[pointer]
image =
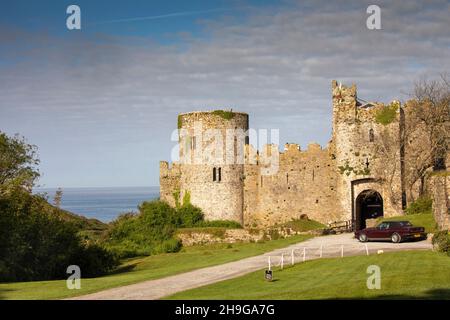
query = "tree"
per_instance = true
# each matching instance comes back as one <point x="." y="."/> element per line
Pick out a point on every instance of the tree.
<point x="421" y="142"/>
<point x="18" y="161"/>
<point x="426" y="133"/>
<point x="58" y="197"/>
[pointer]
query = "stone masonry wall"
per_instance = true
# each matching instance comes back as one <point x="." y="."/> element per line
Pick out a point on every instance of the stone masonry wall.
<point x="357" y="144"/>
<point x="440" y="190"/>
<point x="219" y="200"/>
<point x="305" y="184"/>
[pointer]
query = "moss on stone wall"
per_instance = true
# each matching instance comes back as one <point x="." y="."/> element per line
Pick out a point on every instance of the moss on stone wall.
<point x="180" y="121"/>
<point x="347" y="169"/>
<point x="227" y="115"/>
<point x="187" y="198"/>
<point x="387" y="114"/>
<point x="176" y="197"/>
<point x="217" y="232"/>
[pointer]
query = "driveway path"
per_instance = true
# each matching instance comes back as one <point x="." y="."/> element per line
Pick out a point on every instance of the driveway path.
<point x="332" y="246"/>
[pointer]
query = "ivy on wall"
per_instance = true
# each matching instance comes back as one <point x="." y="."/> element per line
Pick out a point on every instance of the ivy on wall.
<point x="387" y="114"/>
<point x="347" y="170"/>
<point x="176" y="196"/>
<point x="186" y="198"/>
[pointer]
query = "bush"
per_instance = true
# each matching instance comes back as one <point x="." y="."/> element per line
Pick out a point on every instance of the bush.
<point x="423" y="204"/>
<point x="441" y="241"/>
<point x="169" y="246"/>
<point x="35" y="244"/>
<point x="95" y="261"/>
<point x="149" y="232"/>
<point x="189" y="215"/>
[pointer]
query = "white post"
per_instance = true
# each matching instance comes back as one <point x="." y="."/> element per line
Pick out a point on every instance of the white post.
<point x="282" y="261"/>
<point x="304" y="254"/>
<point x="292" y="257"/>
<point x="321" y="249"/>
<point x="342" y="251"/>
<point x="367" y="249"/>
<point x="270" y="265"/>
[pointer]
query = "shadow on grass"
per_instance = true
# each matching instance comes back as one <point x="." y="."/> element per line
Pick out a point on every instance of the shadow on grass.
<point x="433" y="294"/>
<point x="123" y="269"/>
<point x="2" y="291"/>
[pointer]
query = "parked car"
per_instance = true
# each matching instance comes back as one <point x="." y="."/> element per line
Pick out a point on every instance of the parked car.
<point x="395" y="231"/>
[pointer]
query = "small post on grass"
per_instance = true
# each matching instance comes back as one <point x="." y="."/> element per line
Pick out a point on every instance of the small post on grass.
<point x="321" y="249"/>
<point x="367" y="249"/>
<point x="292" y="257"/>
<point x="342" y="251"/>
<point x="282" y="261"/>
<point x="270" y="265"/>
<point x="304" y="254"/>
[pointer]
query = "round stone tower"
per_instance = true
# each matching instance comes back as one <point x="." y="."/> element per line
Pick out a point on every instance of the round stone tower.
<point x="212" y="145"/>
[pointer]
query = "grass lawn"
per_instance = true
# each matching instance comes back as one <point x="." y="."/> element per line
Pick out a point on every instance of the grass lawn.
<point x="404" y="275"/>
<point x="422" y="220"/>
<point x="301" y="225"/>
<point x="146" y="268"/>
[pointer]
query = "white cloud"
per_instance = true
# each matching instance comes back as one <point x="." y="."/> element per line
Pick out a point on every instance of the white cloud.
<point x="277" y="65"/>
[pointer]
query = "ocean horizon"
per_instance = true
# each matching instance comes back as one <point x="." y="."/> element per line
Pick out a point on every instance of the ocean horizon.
<point x="102" y="203"/>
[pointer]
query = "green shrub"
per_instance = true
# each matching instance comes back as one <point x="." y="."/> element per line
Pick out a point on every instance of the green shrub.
<point x="36" y="244"/>
<point x="168" y="246"/>
<point x="441" y="241"/>
<point x="149" y="232"/>
<point x="189" y="216"/>
<point x="387" y="114"/>
<point x="421" y="205"/>
<point x="95" y="261"/>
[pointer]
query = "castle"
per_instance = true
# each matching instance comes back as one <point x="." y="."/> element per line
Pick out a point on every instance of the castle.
<point x="359" y="175"/>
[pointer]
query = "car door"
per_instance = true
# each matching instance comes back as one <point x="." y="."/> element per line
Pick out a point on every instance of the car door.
<point x="382" y="231"/>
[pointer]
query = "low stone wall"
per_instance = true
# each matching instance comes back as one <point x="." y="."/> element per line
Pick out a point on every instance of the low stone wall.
<point x="201" y="236"/>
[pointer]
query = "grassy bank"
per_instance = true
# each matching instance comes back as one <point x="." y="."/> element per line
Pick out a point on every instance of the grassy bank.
<point x="425" y="220"/>
<point x="302" y="225"/>
<point x="404" y="275"/>
<point x="146" y="268"/>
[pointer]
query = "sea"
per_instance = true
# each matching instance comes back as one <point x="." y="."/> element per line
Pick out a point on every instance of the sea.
<point x="104" y="204"/>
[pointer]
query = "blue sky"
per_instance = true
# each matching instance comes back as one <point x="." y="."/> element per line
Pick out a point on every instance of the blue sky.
<point x="101" y="103"/>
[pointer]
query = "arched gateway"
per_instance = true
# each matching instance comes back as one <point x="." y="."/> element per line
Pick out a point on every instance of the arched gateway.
<point x="369" y="205"/>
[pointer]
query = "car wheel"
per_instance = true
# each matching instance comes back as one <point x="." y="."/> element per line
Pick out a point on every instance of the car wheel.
<point x="362" y="237"/>
<point x="396" y="238"/>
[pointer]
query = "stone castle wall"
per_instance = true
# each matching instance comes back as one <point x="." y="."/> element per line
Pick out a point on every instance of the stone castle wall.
<point x="305" y="184"/>
<point x="440" y="192"/>
<point x="322" y="183"/>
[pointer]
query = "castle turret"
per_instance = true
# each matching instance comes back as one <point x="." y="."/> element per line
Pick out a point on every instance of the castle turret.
<point x="212" y="148"/>
<point x="366" y="149"/>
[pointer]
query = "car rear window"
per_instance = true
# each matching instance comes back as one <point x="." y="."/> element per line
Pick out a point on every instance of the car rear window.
<point x="401" y="224"/>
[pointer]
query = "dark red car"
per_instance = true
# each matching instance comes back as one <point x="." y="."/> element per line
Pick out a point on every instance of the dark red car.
<point x="395" y="231"/>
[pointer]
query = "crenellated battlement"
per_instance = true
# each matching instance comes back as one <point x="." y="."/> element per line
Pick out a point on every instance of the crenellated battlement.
<point x="271" y="186"/>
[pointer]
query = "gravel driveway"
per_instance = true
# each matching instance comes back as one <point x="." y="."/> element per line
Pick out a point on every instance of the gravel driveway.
<point x="325" y="246"/>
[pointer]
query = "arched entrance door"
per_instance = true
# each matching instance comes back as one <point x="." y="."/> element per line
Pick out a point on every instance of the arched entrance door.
<point x="369" y="205"/>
